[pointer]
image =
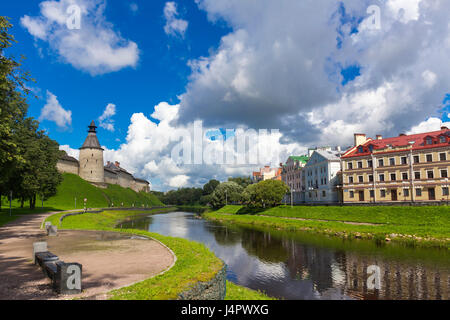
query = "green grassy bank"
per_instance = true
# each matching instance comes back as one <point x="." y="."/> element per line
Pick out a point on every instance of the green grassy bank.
<point x="195" y="262"/>
<point x="74" y="187"/>
<point x="425" y="226"/>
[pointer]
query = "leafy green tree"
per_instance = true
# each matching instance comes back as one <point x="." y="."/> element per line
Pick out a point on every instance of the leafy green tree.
<point x="226" y="193"/>
<point x="210" y="186"/>
<point x="242" y="181"/>
<point x="268" y="193"/>
<point x="28" y="157"/>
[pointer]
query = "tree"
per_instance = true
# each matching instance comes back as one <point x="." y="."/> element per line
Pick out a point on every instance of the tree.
<point x="210" y="186"/>
<point x="13" y="106"/>
<point x="242" y="181"/>
<point x="268" y="193"/>
<point x="28" y="156"/>
<point x="226" y="193"/>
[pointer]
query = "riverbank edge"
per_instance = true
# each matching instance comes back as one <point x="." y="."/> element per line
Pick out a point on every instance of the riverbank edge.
<point x="290" y="224"/>
<point x="135" y="291"/>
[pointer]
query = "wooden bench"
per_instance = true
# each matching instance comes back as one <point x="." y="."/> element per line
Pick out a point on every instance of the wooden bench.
<point x="65" y="277"/>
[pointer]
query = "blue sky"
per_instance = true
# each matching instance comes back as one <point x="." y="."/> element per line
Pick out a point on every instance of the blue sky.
<point x="160" y="75"/>
<point x="146" y="70"/>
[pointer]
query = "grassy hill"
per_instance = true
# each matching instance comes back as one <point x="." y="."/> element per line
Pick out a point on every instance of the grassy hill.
<point x="74" y="187"/>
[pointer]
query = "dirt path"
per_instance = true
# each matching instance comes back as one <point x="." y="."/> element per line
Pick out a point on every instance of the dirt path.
<point x="110" y="260"/>
<point x="322" y="220"/>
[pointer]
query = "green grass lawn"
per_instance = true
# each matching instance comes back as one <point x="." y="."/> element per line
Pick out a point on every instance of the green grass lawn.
<point x="74" y="187"/>
<point x="195" y="262"/>
<point x="426" y="225"/>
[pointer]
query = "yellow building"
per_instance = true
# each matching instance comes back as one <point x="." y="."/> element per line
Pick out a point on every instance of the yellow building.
<point x="407" y="168"/>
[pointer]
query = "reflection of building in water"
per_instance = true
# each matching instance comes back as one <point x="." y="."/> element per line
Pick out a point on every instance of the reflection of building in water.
<point x="398" y="281"/>
<point x="348" y="272"/>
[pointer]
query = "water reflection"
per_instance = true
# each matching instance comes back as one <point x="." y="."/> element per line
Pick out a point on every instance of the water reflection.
<point x="302" y="266"/>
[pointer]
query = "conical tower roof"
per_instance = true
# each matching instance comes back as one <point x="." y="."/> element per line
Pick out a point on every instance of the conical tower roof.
<point x="91" y="141"/>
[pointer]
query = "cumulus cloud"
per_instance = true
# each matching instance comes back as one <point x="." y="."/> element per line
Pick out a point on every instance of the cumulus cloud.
<point x="431" y="124"/>
<point x="105" y="120"/>
<point x="53" y="111"/>
<point x="281" y="67"/>
<point x="95" y="47"/>
<point x="174" y="26"/>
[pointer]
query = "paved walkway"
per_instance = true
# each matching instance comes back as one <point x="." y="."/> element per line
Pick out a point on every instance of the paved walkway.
<point x="110" y="260"/>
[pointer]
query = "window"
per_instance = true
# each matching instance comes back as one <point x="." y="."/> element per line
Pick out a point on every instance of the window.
<point x="383" y="193"/>
<point x="416" y="159"/>
<point x="370" y="178"/>
<point x="360" y="149"/>
<point x="442" y="139"/>
<point x="405" y="175"/>
<point x="370" y="163"/>
<point x="404" y="160"/>
<point x="430" y="174"/>
<point x="352" y="194"/>
<point x="406" y="192"/>
<point x="360" y="165"/>
<point x="392" y="161"/>
<point x="429" y="141"/>
<point x="381" y="177"/>
<point x="371" y="148"/>
<point x="418" y="192"/>
<point x="360" y="179"/>
<point x="444" y="173"/>
<point x="445" y="191"/>
<point x="417" y="175"/>
<point x="442" y="156"/>
<point x="372" y="193"/>
<point x="381" y="163"/>
<point x="350" y="179"/>
<point x="324" y="193"/>
<point x="393" y="177"/>
<point x="429" y="158"/>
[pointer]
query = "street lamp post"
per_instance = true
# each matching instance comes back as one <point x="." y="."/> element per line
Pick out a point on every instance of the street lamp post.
<point x="226" y="197"/>
<point x="292" y="197"/>
<point x="10" y="200"/>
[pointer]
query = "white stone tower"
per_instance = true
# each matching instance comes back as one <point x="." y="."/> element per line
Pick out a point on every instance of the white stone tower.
<point x="91" y="158"/>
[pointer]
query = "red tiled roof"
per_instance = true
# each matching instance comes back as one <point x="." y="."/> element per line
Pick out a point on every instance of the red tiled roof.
<point x="418" y="142"/>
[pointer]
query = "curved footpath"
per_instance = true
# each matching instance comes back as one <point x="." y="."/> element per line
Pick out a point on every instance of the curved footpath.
<point x="110" y="260"/>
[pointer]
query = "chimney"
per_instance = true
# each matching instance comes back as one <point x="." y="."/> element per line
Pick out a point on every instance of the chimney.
<point x="117" y="164"/>
<point x="379" y="137"/>
<point x="444" y="128"/>
<point x="360" y="138"/>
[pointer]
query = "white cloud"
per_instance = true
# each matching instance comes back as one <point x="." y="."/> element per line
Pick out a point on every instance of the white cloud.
<point x="53" y="111"/>
<point x="431" y="124"/>
<point x="134" y="7"/>
<point x="105" y="119"/>
<point x="95" y="48"/>
<point x="173" y="25"/>
<point x="71" y="152"/>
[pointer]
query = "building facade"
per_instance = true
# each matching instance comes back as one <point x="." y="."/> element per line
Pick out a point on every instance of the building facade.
<point x="322" y="178"/>
<point x="90" y="166"/>
<point x="292" y="175"/>
<point x="266" y="173"/>
<point x="407" y="168"/>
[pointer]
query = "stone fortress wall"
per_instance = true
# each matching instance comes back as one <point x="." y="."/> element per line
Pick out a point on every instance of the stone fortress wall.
<point x="91" y="166"/>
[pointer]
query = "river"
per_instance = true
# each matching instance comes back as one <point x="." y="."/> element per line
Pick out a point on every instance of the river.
<point x="299" y="265"/>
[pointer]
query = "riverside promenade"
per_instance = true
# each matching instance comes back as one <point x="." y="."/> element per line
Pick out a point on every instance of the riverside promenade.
<point x="110" y="260"/>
